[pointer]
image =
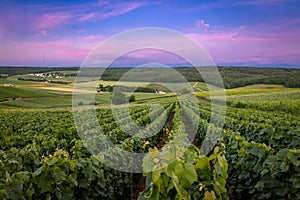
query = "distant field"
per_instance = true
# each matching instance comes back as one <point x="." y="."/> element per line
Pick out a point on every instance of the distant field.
<point x="14" y="81"/>
<point x="203" y="86"/>
<point x="252" y="89"/>
<point x="12" y="92"/>
<point x="39" y="103"/>
<point x="47" y="95"/>
<point x="261" y="97"/>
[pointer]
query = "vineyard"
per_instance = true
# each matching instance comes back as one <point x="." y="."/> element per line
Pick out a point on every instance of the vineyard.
<point x="254" y="156"/>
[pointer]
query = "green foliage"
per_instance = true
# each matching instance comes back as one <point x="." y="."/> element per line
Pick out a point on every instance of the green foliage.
<point x="262" y="152"/>
<point x="34" y="166"/>
<point x="182" y="172"/>
<point x="232" y="76"/>
<point x="63" y="176"/>
<point x="41" y="156"/>
<point x="12" y="92"/>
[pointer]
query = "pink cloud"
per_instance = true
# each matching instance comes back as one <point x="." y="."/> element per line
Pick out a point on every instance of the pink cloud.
<point x="259" y="43"/>
<point x="66" y="51"/>
<point x="39" y="19"/>
<point x="200" y="23"/>
<point x="116" y="10"/>
<point x="145" y="56"/>
<point x="239" y="47"/>
<point x="87" y="17"/>
<point x="93" y="37"/>
<point x="49" y="21"/>
<point x="71" y="53"/>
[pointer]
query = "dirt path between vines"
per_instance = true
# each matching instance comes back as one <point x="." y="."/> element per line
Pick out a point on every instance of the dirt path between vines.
<point x="189" y="130"/>
<point x="168" y="127"/>
<point x="138" y="179"/>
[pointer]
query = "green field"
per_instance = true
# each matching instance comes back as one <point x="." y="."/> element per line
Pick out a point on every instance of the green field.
<point x="253" y="154"/>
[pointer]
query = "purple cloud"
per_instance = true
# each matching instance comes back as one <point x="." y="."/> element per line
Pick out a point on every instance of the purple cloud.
<point x="42" y="18"/>
<point x="260" y="43"/>
<point x="115" y="10"/>
<point x="200" y="23"/>
<point x="50" y="21"/>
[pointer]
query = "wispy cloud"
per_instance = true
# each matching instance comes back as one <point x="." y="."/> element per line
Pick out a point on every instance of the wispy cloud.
<point x="260" y="43"/>
<point x="50" y="21"/>
<point x="87" y="17"/>
<point x="57" y="52"/>
<point x="43" y="17"/>
<point x="106" y="11"/>
<point x="202" y="24"/>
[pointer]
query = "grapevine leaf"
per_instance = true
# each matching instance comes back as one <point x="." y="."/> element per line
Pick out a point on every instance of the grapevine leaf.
<point x="202" y="163"/>
<point x="281" y="191"/>
<point x="3" y="194"/>
<point x="296" y="181"/>
<point x="59" y="174"/>
<point x="72" y="179"/>
<point x="191" y="174"/>
<point x="284" y="167"/>
<point x="209" y="195"/>
<point x="180" y="190"/>
<point x="294" y="157"/>
<point x="37" y="172"/>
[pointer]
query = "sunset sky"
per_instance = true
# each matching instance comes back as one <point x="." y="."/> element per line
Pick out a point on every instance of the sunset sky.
<point x="234" y="32"/>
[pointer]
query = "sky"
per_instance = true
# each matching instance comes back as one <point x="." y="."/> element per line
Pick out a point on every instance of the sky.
<point x="233" y="32"/>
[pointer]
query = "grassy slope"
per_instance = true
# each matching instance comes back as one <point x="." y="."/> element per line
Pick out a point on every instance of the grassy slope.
<point x="247" y="90"/>
<point x="12" y="92"/>
<point x="262" y="97"/>
<point x="203" y="86"/>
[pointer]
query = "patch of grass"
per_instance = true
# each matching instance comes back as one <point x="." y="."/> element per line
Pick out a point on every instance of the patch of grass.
<point x="38" y="103"/>
<point x="204" y="87"/>
<point x="14" y="81"/>
<point x="13" y="92"/>
<point x="145" y="96"/>
<point x="259" y="97"/>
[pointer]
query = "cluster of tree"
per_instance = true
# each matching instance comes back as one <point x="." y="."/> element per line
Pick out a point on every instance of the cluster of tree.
<point x="121" y="88"/>
<point x="42" y="80"/>
<point x="241" y="76"/>
<point x="59" y="82"/>
<point x="232" y="76"/>
<point x="3" y="75"/>
<point x="32" y="79"/>
<point x="11" y="71"/>
<point x="107" y="88"/>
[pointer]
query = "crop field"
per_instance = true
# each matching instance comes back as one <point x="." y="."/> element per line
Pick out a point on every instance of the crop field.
<point x="253" y="154"/>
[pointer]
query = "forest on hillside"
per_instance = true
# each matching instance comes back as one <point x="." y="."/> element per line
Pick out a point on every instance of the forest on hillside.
<point x="232" y="76"/>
